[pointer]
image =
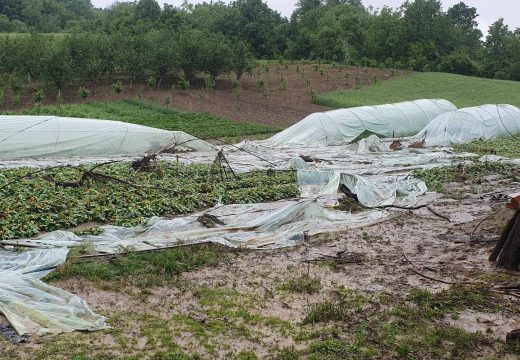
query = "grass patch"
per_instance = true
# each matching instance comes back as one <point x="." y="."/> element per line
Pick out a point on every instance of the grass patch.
<point x="455" y="299"/>
<point x="152" y="265"/>
<point x="340" y="309"/>
<point x="331" y="349"/>
<point x="507" y="147"/>
<point x="473" y="174"/>
<point x="463" y="91"/>
<point x="348" y="204"/>
<point x="227" y="312"/>
<point x="201" y="125"/>
<point x="405" y="331"/>
<point x="34" y="205"/>
<point x="304" y="284"/>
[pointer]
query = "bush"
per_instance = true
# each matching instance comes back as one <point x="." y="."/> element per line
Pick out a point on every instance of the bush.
<point x="83" y="93"/>
<point x="151" y="81"/>
<point x="458" y="63"/>
<point x="514" y="72"/>
<point x="118" y="87"/>
<point x="183" y="83"/>
<point x="38" y="96"/>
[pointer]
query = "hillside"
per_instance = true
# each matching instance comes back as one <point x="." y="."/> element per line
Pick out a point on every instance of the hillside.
<point x="463" y="91"/>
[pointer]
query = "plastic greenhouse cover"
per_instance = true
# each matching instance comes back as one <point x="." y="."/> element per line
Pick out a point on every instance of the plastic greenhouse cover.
<point x="253" y="226"/>
<point x="33" y="307"/>
<point x="52" y="136"/>
<point x="465" y="125"/>
<point x="344" y="125"/>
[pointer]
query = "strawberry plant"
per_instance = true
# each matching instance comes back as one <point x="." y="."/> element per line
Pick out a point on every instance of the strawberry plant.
<point x="33" y="204"/>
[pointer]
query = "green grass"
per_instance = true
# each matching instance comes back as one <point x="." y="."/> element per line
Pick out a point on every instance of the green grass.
<point x="412" y="329"/>
<point x="304" y="284"/>
<point x="201" y="125"/>
<point x="32" y="204"/>
<point x="508" y="147"/>
<point x="463" y="91"/>
<point x="145" y="268"/>
<point x="348" y="303"/>
<point x="435" y="178"/>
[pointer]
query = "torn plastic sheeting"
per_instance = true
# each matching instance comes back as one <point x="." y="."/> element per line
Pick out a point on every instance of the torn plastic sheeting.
<point x="24" y="136"/>
<point x="372" y="191"/>
<point x="253" y="226"/>
<point x="36" y="263"/>
<point x="371" y="144"/>
<point x="33" y="307"/>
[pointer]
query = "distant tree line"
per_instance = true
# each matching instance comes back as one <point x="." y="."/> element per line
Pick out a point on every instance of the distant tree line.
<point x="58" y="59"/>
<point x="143" y="39"/>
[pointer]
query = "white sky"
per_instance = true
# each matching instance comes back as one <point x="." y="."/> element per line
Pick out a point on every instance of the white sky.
<point x="489" y="10"/>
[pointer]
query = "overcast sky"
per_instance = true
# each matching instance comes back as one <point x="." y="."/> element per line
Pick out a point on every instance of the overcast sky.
<point x="489" y="10"/>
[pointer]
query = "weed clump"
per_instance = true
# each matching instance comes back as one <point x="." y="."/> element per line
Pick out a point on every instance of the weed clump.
<point x="457" y="298"/>
<point x="304" y="284"/>
<point x="348" y="204"/>
<point x="473" y="174"/>
<point x="340" y="309"/>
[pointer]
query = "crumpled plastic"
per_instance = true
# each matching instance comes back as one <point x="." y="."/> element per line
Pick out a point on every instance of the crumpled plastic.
<point x="35" y="308"/>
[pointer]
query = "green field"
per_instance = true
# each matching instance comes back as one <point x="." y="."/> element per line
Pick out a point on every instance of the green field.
<point x="201" y="125"/>
<point x="463" y="91"/>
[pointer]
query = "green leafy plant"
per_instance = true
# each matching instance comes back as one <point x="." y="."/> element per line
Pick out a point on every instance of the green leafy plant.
<point x="83" y="93"/>
<point x="152" y="82"/>
<point x="38" y="97"/>
<point x="238" y="89"/>
<point x="15" y="86"/>
<point x="42" y="206"/>
<point x="59" y="100"/>
<point x="118" y="87"/>
<point x="183" y="83"/>
<point x="303" y="284"/>
<point x="209" y="84"/>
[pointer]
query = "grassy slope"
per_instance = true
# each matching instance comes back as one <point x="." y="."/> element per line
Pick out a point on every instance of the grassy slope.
<point x="463" y="91"/>
<point x="202" y="125"/>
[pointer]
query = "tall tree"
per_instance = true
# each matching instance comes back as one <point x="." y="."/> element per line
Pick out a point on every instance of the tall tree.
<point x="464" y="20"/>
<point x="496" y="41"/>
<point x="148" y="10"/>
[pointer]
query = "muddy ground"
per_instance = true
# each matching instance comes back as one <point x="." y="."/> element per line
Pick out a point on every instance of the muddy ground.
<point x="284" y="98"/>
<point x="242" y="308"/>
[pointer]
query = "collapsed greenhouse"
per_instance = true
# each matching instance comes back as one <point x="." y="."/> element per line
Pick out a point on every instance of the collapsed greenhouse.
<point x="320" y="149"/>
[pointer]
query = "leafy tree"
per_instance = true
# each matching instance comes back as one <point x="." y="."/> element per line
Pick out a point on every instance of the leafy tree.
<point x="242" y="59"/>
<point x="147" y="10"/>
<point x="428" y="31"/>
<point x="384" y="36"/>
<point x="465" y="24"/>
<point x="57" y="66"/>
<point x="7" y="25"/>
<point x="496" y="41"/>
<point x="260" y="26"/>
<point x="132" y="57"/>
<point x="216" y="54"/>
<point x="189" y="53"/>
<point x="161" y="54"/>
